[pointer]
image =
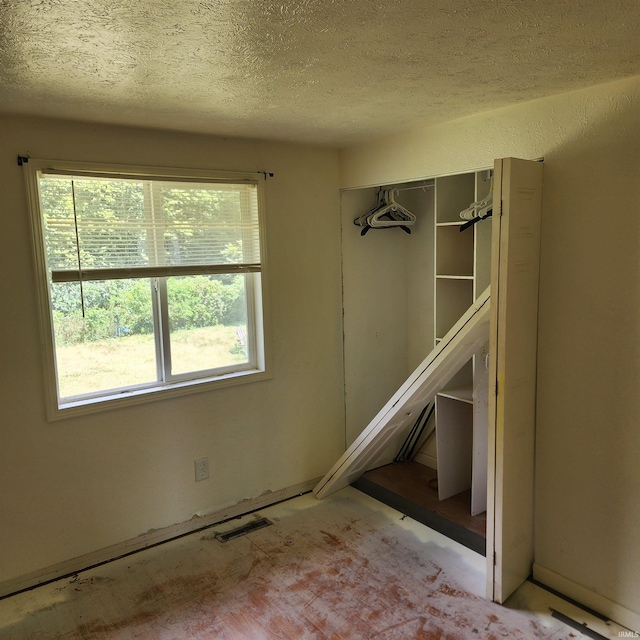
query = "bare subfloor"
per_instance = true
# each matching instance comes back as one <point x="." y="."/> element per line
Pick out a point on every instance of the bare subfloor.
<point x="347" y="567"/>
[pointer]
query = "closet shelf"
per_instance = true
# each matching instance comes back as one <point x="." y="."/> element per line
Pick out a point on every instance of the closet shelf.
<point x="464" y="394"/>
<point x="442" y="276"/>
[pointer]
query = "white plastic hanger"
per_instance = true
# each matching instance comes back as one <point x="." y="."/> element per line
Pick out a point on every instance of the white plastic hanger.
<point x="480" y="208"/>
<point x="391" y="213"/>
<point x="386" y="213"/>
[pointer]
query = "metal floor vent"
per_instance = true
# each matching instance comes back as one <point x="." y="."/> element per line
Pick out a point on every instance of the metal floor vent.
<point x="243" y="530"/>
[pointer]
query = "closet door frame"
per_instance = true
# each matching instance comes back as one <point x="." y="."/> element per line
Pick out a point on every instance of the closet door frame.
<point x="512" y="374"/>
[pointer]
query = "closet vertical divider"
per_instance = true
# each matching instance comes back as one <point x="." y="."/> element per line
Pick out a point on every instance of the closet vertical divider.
<point x="462" y="269"/>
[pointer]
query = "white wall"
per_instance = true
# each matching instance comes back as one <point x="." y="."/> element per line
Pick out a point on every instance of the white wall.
<point x="588" y="439"/>
<point x="71" y="487"/>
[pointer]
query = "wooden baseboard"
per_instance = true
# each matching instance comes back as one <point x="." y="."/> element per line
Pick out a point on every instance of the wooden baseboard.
<point x="152" y="538"/>
<point x="612" y="610"/>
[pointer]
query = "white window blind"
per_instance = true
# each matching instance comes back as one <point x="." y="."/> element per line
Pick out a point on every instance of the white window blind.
<point x="103" y="228"/>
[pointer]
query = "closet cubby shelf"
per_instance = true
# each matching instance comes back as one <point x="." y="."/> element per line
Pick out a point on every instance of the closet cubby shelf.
<point x="454" y="251"/>
<point x="464" y="394"/>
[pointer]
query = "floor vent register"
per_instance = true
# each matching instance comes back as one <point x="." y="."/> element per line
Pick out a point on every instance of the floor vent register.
<point x="243" y="530"/>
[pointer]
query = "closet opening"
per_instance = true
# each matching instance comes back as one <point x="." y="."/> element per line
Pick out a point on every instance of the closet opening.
<point x="402" y="299"/>
<point x="402" y="293"/>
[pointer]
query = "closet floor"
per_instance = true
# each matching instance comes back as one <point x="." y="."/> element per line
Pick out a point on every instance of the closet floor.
<point x="410" y="488"/>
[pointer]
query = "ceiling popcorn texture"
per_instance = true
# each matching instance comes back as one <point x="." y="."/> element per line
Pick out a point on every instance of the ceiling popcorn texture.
<point x="319" y="71"/>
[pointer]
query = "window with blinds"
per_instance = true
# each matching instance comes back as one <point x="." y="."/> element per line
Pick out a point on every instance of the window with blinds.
<point x="153" y="281"/>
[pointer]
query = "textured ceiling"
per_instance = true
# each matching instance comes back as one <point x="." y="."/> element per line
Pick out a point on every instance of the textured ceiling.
<point x="332" y="72"/>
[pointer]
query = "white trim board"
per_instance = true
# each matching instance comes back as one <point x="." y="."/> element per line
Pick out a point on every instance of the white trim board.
<point x="157" y="536"/>
<point x="372" y="447"/>
<point x="426" y="460"/>
<point x="614" y="611"/>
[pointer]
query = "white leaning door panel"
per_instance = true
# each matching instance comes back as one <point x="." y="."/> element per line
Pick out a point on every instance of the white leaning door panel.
<point x="512" y="373"/>
<point x="371" y="448"/>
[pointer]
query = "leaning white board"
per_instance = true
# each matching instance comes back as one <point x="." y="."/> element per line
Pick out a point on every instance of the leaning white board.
<point x="397" y="417"/>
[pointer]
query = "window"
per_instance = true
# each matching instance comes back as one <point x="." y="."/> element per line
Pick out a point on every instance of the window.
<point x="151" y="281"/>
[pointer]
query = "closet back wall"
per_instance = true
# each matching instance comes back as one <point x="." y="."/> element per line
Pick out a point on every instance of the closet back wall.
<point x="587" y="478"/>
<point x="388" y="302"/>
<point x="75" y="486"/>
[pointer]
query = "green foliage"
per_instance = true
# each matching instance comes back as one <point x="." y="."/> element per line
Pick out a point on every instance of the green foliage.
<point x="118" y="308"/>
<point x="201" y="301"/>
<point x="132" y="308"/>
<point x="72" y="329"/>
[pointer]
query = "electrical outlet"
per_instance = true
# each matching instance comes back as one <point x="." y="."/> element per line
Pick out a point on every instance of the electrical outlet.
<point x="202" y="469"/>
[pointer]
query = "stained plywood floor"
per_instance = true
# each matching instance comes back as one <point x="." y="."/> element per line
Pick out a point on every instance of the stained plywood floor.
<point x="345" y="568"/>
<point x="414" y="481"/>
<point x="412" y="488"/>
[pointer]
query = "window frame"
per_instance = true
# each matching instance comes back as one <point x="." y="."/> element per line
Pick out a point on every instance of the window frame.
<point x="174" y="385"/>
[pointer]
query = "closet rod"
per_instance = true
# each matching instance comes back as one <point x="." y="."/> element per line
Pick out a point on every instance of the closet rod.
<point x="424" y="186"/>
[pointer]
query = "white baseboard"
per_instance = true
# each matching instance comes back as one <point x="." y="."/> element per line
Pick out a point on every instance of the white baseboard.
<point x="426" y="460"/>
<point x="145" y="540"/>
<point x="614" y="611"/>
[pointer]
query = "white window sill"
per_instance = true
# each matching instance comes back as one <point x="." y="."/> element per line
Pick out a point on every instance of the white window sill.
<point x="121" y="399"/>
